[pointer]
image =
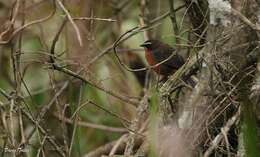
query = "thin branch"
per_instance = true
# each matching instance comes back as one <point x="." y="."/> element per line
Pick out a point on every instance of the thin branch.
<point x="91" y="125"/>
<point x="75" y="121"/>
<point x="245" y="20"/>
<point x="105" y="149"/>
<point x="54" y="42"/>
<point x="53" y="100"/>
<point x="143" y="18"/>
<point x="110" y="112"/>
<point x="174" y="21"/>
<point x="93" y="18"/>
<point x="117" y="144"/>
<point x="43" y="131"/>
<point x="7" y="96"/>
<point x="18" y="30"/>
<point x="71" y="21"/>
<point x="219" y="137"/>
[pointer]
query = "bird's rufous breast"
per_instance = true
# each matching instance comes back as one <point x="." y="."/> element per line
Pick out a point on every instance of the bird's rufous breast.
<point x="151" y="61"/>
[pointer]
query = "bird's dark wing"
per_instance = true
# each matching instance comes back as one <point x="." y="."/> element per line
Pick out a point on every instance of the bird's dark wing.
<point x="164" y="52"/>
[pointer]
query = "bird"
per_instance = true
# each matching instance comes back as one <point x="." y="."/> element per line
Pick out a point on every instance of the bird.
<point x="157" y="52"/>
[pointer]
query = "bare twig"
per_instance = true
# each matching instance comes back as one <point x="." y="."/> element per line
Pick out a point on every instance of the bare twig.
<point x="71" y="21"/>
<point x="93" y="18"/>
<point x="92" y="125"/>
<point x="7" y="96"/>
<point x="18" y="30"/>
<point x="117" y="144"/>
<point x="136" y="124"/>
<point x="227" y="142"/>
<point x="143" y="18"/>
<point x="174" y="21"/>
<point x="110" y="112"/>
<point x="48" y="106"/>
<point x="220" y="136"/>
<point x="245" y="20"/>
<point x="19" y="78"/>
<point x="43" y="131"/>
<point x="105" y="149"/>
<point x="54" y="42"/>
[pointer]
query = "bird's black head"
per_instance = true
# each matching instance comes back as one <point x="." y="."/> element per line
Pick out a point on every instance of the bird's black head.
<point x="151" y="44"/>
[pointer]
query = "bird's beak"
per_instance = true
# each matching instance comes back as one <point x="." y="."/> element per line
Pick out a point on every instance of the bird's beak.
<point x="142" y="45"/>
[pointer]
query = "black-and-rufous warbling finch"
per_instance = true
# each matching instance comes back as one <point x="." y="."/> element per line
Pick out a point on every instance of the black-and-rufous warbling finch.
<point x="156" y="52"/>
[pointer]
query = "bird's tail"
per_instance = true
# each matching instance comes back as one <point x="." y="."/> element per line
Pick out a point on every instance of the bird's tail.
<point x="189" y="80"/>
<point x="190" y="77"/>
